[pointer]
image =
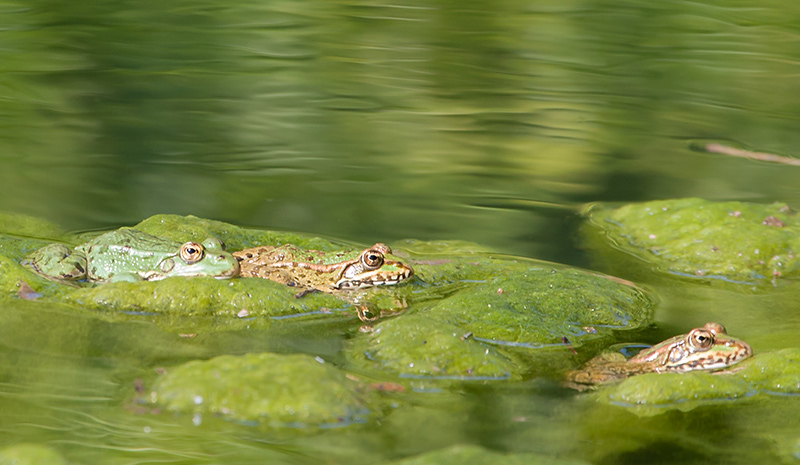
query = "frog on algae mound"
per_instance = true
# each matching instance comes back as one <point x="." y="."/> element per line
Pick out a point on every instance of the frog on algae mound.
<point x="732" y="241"/>
<point x="767" y="374"/>
<point x="707" y="348"/>
<point x="476" y="314"/>
<point x="133" y="262"/>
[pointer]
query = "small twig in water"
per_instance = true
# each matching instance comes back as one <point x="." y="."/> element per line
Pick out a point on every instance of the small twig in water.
<point x="760" y="156"/>
<point x="569" y="344"/>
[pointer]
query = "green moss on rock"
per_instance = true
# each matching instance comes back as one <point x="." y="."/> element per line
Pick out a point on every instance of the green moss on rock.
<point x="735" y="241"/>
<point x="267" y="389"/>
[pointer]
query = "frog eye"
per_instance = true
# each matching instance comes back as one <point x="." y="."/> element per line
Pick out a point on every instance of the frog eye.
<point x="701" y="339"/>
<point x="372" y="259"/>
<point x="191" y="252"/>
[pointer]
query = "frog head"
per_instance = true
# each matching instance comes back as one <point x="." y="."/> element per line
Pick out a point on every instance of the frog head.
<point x="196" y="259"/>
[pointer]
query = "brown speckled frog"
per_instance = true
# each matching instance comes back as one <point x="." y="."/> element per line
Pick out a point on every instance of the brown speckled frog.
<point x="706" y="348"/>
<point x="332" y="272"/>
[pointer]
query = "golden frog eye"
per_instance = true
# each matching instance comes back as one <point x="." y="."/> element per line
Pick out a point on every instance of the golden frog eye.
<point x="372" y="259"/>
<point x="192" y="252"/>
<point x="701" y="339"/>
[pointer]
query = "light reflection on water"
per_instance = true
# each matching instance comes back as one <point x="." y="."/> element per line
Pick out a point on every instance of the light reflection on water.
<point x="491" y="123"/>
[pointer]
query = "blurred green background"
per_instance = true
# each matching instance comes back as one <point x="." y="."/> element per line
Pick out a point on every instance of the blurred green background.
<point x="485" y="121"/>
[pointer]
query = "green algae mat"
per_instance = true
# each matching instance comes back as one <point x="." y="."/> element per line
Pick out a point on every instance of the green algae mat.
<point x="735" y="242"/>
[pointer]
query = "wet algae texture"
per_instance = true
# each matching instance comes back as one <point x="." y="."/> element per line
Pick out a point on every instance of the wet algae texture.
<point x="265" y="389"/>
<point x="733" y="241"/>
<point x="515" y="320"/>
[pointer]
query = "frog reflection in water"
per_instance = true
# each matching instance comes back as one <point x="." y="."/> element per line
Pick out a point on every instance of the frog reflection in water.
<point x="332" y="272"/>
<point x="706" y="348"/>
<point x="132" y="255"/>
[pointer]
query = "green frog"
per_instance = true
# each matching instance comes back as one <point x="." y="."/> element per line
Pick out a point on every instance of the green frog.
<point x="706" y="348"/>
<point x="132" y="255"/>
<point x="331" y="272"/>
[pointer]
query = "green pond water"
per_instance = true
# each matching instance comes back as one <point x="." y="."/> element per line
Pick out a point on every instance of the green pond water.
<point x="468" y="136"/>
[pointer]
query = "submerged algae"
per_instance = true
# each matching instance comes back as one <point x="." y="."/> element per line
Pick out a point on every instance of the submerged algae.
<point x="267" y="389"/>
<point x="734" y="241"/>
<point x="30" y="454"/>
<point x="28" y="226"/>
<point x="474" y="455"/>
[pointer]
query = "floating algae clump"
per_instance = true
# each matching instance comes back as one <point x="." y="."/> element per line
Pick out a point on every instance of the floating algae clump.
<point x="417" y="347"/>
<point x="265" y="389"/>
<point x="494" y="329"/>
<point x="734" y="241"/>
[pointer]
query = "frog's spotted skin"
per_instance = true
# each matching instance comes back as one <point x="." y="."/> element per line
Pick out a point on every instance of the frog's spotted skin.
<point x="132" y="255"/>
<point x="706" y="348"/>
<point x="323" y="271"/>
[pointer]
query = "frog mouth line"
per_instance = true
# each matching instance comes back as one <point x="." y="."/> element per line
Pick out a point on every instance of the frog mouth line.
<point x="375" y="279"/>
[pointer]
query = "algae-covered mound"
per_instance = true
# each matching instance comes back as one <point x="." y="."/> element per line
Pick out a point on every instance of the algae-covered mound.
<point x="539" y="306"/>
<point x="30" y="454"/>
<point x="265" y="389"/>
<point x="474" y="455"/>
<point x="510" y="308"/>
<point x="735" y="241"/>
<point x="650" y="394"/>
<point x="416" y="346"/>
<point x="204" y="296"/>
